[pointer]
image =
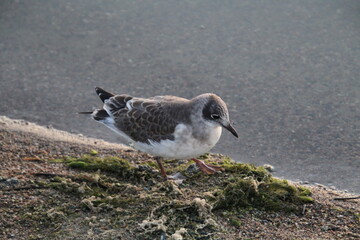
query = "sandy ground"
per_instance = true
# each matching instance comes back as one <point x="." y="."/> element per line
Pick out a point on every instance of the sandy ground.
<point x="26" y="208"/>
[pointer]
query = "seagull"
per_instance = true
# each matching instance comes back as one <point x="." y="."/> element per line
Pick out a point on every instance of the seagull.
<point x="166" y="126"/>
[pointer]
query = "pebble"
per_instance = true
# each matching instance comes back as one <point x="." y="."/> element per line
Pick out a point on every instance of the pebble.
<point x="304" y="182"/>
<point x="269" y="167"/>
<point x="97" y="231"/>
<point x="12" y="181"/>
<point x="182" y="162"/>
<point x="144" y="168"/>
<point x="192" y="168"/>
<point x="163" y="236"/>
<point x="320" y="185"/>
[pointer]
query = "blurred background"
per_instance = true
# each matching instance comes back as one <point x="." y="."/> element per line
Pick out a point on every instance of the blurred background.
<point x="288" y="70"/>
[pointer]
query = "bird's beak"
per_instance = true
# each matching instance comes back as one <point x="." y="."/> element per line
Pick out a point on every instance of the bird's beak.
<point x="231" y="129"/>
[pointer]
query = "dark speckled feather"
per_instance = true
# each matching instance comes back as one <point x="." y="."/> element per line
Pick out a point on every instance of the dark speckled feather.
<point x="140" y="118"/>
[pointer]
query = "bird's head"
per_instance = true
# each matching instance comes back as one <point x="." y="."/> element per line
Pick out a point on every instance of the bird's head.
<point x="215" y="111"/>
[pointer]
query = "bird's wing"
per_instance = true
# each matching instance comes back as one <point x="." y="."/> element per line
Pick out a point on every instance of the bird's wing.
<point x="144" y="120"/>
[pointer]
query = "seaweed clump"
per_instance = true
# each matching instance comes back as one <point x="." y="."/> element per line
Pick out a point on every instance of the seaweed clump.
<point x="254" y="187"/>
<point x="110" y="164"/>
<point x="127" y="194"/>
<point x="92" y="162"/>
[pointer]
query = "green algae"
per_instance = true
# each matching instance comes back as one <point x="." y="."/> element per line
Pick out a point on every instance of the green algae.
<point x="93" y="152"/>
<point x="81" y="165"/>
<point x="107" y="163"/>
<point x="110" y="164"/>
<point x="250" y="187"/>
<point x="273" y="194"/>
<point x="103" y="184"/>
<point x="235" y="221"/>
<point x="357" y="215"/>
<point x="247" y="185"/>
<point x="152" y="164"/>
<point x="242" y="170"/>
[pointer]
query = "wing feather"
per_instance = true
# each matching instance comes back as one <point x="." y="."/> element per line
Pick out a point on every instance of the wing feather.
<point x="147" y="120"/>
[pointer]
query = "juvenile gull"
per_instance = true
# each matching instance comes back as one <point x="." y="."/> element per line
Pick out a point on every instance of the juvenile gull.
<point x="167" y="126"/>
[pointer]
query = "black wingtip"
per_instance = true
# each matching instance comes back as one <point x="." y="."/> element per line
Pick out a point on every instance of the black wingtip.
<point x="100" y="115"/>
<point x="103" y="94"/>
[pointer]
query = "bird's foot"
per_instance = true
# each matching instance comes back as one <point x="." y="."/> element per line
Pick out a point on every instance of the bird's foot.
<point x="207" y="168"/>
<point x="162" y="169"/>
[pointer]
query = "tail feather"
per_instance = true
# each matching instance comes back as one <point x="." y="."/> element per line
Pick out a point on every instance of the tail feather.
<point x="103" y="94"/>
<point x="97" y="114"/>
<point x="85" y="112"/>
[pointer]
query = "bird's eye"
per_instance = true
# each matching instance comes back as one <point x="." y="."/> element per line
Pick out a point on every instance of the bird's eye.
<point x="215" y="116"/>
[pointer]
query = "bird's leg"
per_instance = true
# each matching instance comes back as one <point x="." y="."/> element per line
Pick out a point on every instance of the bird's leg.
<point x="162" y="169"/>
<point x="207" y="168"/>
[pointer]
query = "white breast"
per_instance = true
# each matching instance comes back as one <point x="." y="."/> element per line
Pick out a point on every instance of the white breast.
<point x="184" y="146"/>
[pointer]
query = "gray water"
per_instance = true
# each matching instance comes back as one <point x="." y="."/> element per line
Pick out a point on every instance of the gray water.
<point x="288" y="70"/>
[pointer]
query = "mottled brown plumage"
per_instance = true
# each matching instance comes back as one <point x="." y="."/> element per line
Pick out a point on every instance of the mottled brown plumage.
<point x="144" y="120"/>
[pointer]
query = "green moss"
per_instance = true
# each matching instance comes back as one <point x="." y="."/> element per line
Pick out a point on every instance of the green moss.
<point x="235" y="221"/>
<point x="152" y="164"/>
<point x="237" y="194"/>
<point x="246" y="170"/>
<point x="81" y="165"/>
<point x="253" y="187"/>
<point x="244" y="187"/>
<point x="306" y="199"/>
<point x="181" y="167"/>
<point x="277" y="194"/>
<point x="106" y="164"/>
<point x="67" y="186"/>
<point x="205" y="156"/>
<point x="93" y="152"/>
<point x="357" y="215"/>
<point x="304" y="191"/>
<point x="102" y="190"/>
